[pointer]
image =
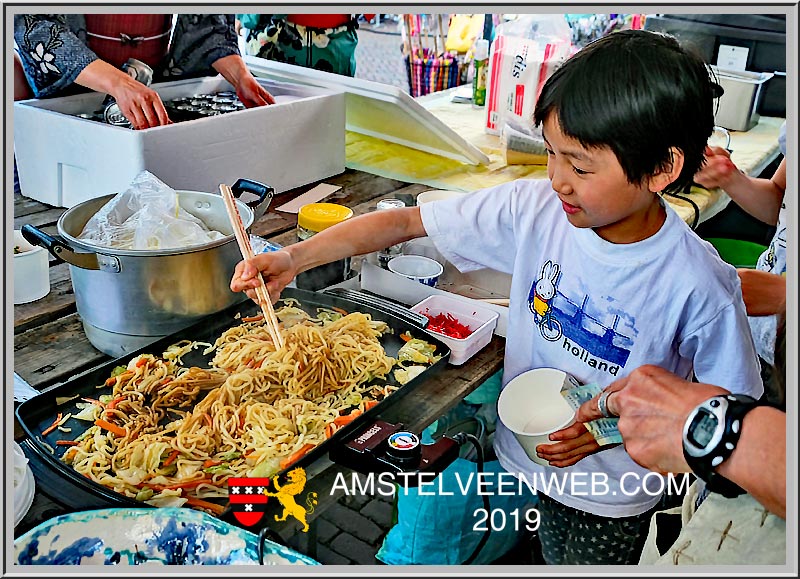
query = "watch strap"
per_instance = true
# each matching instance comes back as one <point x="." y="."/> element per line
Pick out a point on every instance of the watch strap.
<point x="738" y="406"/>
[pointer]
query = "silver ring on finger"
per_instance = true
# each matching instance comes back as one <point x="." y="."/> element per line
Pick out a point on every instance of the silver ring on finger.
<point x="602" y="405"/>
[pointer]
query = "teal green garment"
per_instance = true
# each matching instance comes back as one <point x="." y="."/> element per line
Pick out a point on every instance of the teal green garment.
<point x="437" y="528"/>
<point x="330" y="50"/>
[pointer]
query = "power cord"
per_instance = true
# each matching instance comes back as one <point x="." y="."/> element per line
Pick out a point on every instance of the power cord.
<point x="687" y="191"/>
<point x="461" y="438"/>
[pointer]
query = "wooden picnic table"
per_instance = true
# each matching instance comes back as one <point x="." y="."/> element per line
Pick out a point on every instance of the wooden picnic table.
<point x="50" y="345"/>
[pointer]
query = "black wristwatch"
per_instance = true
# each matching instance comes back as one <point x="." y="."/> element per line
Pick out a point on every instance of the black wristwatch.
<point x="710" y="435"/>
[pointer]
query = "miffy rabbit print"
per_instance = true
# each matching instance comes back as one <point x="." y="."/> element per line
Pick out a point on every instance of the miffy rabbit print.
<point x="539" y="301"/>
<point x="596" y="335"/>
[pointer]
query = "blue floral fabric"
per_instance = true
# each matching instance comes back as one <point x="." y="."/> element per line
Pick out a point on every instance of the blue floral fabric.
<point x="53" y="48"/>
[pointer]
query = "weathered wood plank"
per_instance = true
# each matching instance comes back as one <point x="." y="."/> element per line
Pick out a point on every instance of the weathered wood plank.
<point x="27" y="206"/>
<point x="54" y="352"/>
<point x="59" y="302"/>
<point x="48" y="217"/>
<point x="354" y="186"/>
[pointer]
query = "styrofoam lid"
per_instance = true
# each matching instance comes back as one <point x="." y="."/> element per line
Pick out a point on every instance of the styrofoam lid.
<point x="379" y="110"/>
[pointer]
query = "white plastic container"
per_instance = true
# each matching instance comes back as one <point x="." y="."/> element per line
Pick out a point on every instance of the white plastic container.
<point x="738" y="104"/>
<point x="64" y="159"/>
<point x="31" y="271"/>
<point x="480" y="320"/>
<point x="532" y="407"/>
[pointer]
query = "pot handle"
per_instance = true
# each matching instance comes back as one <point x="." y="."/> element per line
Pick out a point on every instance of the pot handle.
<point x="264" y="193"/>
<point x="58" y="248"/>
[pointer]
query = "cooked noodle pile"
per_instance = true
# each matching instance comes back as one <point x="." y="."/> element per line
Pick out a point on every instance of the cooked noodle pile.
<point x="265" y="408"/>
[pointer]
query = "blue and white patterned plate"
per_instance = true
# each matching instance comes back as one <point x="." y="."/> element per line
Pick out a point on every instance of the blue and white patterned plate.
<point x="136" y="536"/>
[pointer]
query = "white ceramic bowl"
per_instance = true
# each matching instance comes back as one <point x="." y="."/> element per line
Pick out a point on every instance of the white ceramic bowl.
<point x="131" y="536"/>
<point x="417" y="267"/>
<point x="532" y="407"/>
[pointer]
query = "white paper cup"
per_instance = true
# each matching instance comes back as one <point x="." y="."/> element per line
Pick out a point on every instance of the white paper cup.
<point x="31" y="271"/>
<point x="532" y="407"/>
<point x="417" y="267"/>
<point x="436" y="195"/>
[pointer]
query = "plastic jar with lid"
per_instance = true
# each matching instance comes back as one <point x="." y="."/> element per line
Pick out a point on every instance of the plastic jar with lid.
<point x="311" y="219"/>
<point x="388" y="253"/>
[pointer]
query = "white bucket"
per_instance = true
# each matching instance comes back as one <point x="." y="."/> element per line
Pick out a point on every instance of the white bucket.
<point x="532" y="407"/>
<point x="31" y="271"/>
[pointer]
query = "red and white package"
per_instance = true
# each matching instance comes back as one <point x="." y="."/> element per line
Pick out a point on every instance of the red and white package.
<point x="518" y="69"/>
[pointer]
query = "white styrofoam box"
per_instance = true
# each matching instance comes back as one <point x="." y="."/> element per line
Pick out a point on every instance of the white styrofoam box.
<point x="383" y="282"/>
<point x="64" y="159"/>
<point x="480" y="320"/>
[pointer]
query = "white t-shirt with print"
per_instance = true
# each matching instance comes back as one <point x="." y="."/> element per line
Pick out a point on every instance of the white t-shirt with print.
<point x="667" y="300"/>
<point x="773" y="260"/>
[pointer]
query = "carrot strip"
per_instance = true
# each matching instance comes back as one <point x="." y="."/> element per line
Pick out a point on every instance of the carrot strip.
<point x="406" y="337"/>
<point x="257" y="318"/>
<point x="113" y="403"/>
<point x="141" y="362"/>
<point x="339" y="310"/>
<point x="207" y="420"/>
<point x="296" y="455"/>
<point x="111" y="381"/>
<point x="369" y="404"/>
<point x="214" y="507"/>
<point x="171" y="458"/>
<point x="211" y="462"/>
<point x="112" y="428"/>
<point x="347" y="418"/>
<point x="53" y="426"/>
<point x="67" y="443"/>
<point x="329" y="430"/>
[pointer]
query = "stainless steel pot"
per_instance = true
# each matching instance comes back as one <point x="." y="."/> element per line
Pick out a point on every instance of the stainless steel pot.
<point x="129" y="298"/>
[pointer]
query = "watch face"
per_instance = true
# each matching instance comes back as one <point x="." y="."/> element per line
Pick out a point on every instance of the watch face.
<point x="702" y="428"/>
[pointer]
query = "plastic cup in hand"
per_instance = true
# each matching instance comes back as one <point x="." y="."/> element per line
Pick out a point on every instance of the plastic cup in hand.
<point x="532" y="407"/>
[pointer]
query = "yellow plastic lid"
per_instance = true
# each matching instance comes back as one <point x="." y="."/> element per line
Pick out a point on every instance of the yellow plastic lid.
<point x="319" y="216"/>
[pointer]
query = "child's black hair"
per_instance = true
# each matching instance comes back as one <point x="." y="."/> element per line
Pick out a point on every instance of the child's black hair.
<point x="638" y="93"/>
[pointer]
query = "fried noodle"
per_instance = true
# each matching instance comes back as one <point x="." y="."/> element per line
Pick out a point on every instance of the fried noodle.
<point x="154" y="441"/>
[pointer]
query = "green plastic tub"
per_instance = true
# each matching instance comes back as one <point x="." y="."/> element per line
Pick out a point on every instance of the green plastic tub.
<point x="736" y="252"/>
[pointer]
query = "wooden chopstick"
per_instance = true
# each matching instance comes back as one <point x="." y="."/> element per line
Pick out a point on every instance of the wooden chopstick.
<point x="495" y="301"/>
<point x="247" y="253"/>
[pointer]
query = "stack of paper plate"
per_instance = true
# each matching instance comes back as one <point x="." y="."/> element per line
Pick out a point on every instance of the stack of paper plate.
<point x="24" y="486"/>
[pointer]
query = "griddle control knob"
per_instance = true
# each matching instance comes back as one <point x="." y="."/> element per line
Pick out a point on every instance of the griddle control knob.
<point x="403" y="448"/>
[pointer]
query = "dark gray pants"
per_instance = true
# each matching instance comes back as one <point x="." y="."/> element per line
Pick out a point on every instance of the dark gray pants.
<point x="573" y="537"/>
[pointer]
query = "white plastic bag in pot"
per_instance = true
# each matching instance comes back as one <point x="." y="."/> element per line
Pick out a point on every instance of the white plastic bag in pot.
<point x="145" y="216"/>
<point x="524" y="54"/>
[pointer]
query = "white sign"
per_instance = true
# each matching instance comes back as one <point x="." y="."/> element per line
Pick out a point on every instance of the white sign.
<point x="732" y="57"/>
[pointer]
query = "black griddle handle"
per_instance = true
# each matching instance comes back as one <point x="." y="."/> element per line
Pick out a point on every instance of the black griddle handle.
<point x="417" y="320"/>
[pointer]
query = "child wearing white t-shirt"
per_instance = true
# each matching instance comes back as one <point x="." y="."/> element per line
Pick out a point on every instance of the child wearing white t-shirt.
<point x="605" y="276"/>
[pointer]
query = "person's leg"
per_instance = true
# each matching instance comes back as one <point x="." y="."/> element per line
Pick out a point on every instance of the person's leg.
<point x="555" y="529"/>
<point x="607" y="541"/>
<point x="573" y="537"/>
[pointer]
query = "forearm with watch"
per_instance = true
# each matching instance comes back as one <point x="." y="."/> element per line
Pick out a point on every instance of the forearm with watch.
<point x="737" y="446"/>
